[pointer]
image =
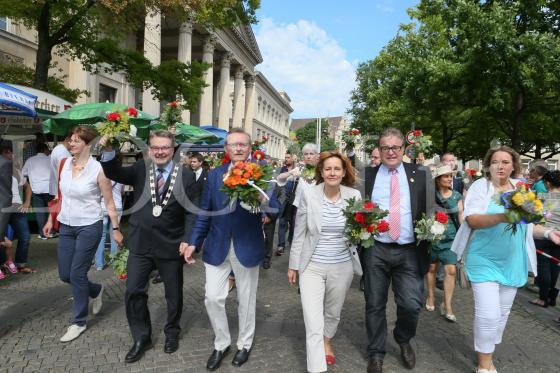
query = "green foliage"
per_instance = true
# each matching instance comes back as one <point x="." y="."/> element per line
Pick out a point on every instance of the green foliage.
<point x="118" y="261"/>
<point x="468" y="72"/>
<point x="108" y="35"/>
<point x="171" y="115"/>
<point x="23" y="75"/>
<point x="308" y="134"/>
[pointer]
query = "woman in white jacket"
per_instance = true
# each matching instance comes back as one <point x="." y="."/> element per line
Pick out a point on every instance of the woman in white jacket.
<point x="322" y="257"/>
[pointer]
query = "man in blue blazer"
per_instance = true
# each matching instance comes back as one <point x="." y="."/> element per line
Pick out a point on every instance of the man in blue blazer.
<point x="232" y="239"/>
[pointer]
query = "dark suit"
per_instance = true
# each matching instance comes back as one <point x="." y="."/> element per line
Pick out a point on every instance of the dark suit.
<point x="403" y="265"/>
<point x="458" y="184"/>
<point x="198" y="186"/>
<point x="154" y="243"/>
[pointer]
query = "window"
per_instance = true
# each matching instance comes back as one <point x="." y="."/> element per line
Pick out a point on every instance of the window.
<point x="525" y="164"/>
<point x="106" y="93"/>
<point x="3" y="23"/>
<point x="552" y="164"/>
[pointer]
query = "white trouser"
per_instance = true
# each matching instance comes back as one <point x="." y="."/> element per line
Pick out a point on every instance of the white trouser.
<point x="246" y="282"/>
<point x="492" y="304"/>
<point x="323" y="290"/>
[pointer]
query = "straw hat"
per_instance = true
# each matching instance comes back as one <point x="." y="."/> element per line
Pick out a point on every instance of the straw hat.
<point x="442" y="169"/>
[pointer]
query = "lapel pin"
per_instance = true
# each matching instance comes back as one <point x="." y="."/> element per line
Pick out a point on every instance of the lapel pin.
<point x="411" y="180"/>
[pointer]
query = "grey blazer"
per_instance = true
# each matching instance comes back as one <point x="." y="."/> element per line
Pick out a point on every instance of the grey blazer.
<point x="308" y="227"/>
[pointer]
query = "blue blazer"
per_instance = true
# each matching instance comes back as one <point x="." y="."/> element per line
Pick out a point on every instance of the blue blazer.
<point x="217" y="224"/>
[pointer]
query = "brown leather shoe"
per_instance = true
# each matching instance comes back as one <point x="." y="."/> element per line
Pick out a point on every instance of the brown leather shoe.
<point x="375" y="366"/>
<point x="408" y="355"/>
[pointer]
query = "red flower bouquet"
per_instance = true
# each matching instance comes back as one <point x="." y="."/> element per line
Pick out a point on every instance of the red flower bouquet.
<point x="364" y="220"/>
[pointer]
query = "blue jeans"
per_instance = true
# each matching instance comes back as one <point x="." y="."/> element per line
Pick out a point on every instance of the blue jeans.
<point x="100" y="254"/>
<point x="282" y="226"/>
<point x="40" y="206"/>
<point x="18" y="221"/>
<point x="76" y="248"/>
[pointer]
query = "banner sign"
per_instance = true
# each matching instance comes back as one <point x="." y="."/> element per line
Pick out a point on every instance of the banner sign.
<point x="16" y="102"/>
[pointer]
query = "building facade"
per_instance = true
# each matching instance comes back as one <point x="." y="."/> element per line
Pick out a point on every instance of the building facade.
<point x="229" y="100"/>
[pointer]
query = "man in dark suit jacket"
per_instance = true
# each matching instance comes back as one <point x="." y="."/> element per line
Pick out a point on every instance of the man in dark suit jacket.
<point x="201" y="174"/>
<point x="233" y="240"/>
<point x="406" y="191"/>
<point x="159" y="227"/>
<point x="450" y="159"/>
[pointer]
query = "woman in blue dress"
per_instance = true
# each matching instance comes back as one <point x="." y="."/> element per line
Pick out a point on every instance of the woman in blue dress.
<point x="496" y="261"/>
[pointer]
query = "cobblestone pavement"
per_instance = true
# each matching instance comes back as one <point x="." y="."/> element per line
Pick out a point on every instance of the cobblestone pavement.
<point x="35" y="311"/>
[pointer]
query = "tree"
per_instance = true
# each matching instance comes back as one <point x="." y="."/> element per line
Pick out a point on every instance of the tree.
<point x="466" y="73"/>
<point x="308" y="134"/>
<point x="95" y="32"/>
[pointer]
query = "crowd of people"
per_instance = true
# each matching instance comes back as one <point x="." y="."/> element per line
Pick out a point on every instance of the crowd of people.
<point x="179" y="209"/>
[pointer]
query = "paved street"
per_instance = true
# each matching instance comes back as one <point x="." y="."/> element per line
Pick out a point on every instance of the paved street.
<point x="35" y="311"/>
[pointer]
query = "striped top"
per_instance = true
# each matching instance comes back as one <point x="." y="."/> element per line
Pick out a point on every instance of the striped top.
<point x="331" y="247"/>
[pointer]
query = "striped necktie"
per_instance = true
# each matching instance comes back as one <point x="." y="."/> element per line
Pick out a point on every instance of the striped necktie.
<point x="160" y="182"/>
<point x="395" y="209"/>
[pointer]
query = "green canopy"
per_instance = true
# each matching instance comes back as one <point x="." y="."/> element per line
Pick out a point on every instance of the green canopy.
<point x="91" y="114"/>
<point x="188" y="134"/>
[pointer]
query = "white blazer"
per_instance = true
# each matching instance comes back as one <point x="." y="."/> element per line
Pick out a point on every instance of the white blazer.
<point x="308" y="227"/>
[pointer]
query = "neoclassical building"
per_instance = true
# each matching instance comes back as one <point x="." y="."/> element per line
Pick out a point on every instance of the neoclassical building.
<point x="236" y="94"/>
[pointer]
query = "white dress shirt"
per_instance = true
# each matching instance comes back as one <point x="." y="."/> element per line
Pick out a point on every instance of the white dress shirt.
<point x="58" y="153"/>
<point x="37" y="170"/>
<point x="381" y="195"/>
<point x="197" y="173"/>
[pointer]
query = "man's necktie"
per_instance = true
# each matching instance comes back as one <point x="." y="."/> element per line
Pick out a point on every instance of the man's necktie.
<point x="160" y="182"/>
<point x="395" y="209"/>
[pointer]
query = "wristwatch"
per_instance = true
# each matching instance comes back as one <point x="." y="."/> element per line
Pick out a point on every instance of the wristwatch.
<point x="547" y="233"/>
<point x="116" y="228"/>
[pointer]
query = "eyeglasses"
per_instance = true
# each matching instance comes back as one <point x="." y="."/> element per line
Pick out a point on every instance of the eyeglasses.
<point x="238" y="145"/>
<point x="160" y="148"/>
<point x="387" y="149"/>
<point x="75" y="141"/>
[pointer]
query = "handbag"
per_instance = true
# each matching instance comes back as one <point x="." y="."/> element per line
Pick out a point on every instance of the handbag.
<point x="56" y="204"/>
<point x="462" y="278"/>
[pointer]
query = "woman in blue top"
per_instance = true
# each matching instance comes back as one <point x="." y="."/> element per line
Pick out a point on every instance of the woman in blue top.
<point x="497" y="262"/>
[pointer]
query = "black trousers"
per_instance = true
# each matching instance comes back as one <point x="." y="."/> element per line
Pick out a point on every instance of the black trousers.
<point x="136" y="296"/>
<point x="548" y="271"/>
<point x="397" y="265"/>
<point x="269" y="230"/>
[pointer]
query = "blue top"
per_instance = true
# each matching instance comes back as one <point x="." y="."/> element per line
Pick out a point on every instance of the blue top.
<point x="539" y="186"/>
<point x="495" y="255"/>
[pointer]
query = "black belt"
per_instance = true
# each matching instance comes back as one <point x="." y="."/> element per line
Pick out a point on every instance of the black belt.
<point x="395" y="245"/>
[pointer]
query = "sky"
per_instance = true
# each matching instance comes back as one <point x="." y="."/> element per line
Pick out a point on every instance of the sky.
<point x="311" y="48"/>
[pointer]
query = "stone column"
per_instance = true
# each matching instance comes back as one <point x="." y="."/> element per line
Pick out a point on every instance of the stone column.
<point x="152" y="51"/>
<point x="249" y="103"/>
<point x="223" y="92"/>
<point x="237" y="104"/>
<point x="206" y="104"/>
<point x="184" y="55"/>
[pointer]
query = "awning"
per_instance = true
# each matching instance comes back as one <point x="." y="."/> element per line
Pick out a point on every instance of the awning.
<point x="14" y="101"/>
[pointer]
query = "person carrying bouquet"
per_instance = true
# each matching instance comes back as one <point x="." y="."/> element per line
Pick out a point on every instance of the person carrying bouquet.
<point x="232" y="231"/>
<point x="321" y="256"/>
<point x="498" y="252"/>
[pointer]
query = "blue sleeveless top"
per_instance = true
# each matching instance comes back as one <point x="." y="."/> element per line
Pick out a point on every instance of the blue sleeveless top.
<point x="496" y="255"/>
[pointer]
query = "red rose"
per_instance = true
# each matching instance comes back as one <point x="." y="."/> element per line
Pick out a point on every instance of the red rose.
<point x="382" y="226"/>
<point x="265" y="138"/>
<point x="258" y="154"/>
<point x="417" y="133"/>
<point x="173" y="104"/>
<point x="113" y="117"/>
<point x="132" y="112"/>
<point x="369" y="205"/>
<point x="471" y="172"/>
<point x="441" y="217"/>
<point x="226" y="159"/>
<point x="371" y="228"/>
<point x="359" y="217"/>
<point x="122" y="277"/>
<point x="355" y="131"/>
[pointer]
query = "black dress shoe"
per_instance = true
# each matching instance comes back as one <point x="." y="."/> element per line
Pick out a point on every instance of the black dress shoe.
<point x="157" y="279"/>
<point x="240" y="357"/>
<point x="171" y="345"/>
<point x="408" y="356"/>
<point x="137" y="350"/>
<point x="375" y="366"/>
<point x="266" y="264"/>
<point x="216" y="359"/>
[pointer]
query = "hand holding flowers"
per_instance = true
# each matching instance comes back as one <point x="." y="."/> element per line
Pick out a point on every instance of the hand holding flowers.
<point x="246" y="182"/>
<point x="522" y="206"/>
<point x="364" y="220"/>
<point x="117" y="126"/>
<point x="431" y="229"/>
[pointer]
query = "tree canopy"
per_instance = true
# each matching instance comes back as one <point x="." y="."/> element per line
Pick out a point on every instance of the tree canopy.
<point x="308" y="134"/>
<point x="97" y="32"/>
<point x="467" y="72"/>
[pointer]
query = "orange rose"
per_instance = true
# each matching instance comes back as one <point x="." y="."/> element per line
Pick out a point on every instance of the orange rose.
<point x="239" y="164"/>
<point x="247" y="175"/>
<point x="237" y="172"/>
<point x="243" y="182"/>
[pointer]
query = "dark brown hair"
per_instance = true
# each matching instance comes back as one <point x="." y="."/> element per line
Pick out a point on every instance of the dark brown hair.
<point x="86" y="133"/>
<point x="350" y="176"/>
<point x="506" y="149"/>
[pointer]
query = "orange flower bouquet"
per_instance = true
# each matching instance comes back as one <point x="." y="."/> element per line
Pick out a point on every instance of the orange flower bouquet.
<point x="245" y="182"/>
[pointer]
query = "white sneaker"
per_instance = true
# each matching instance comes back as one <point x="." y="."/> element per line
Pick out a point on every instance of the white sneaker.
<point x="97" y="302"/>
<point x="72" y="333"/>
<point x="480" y="370"/>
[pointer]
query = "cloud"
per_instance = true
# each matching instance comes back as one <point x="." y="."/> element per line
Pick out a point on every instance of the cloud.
<point x="303" y="60"/>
